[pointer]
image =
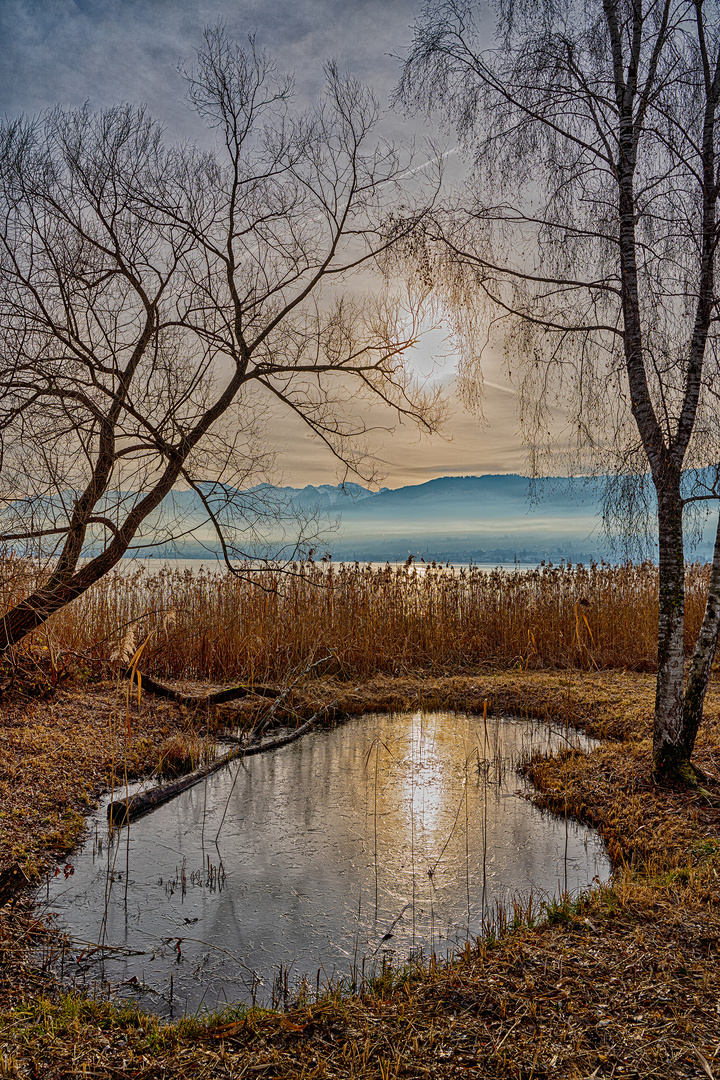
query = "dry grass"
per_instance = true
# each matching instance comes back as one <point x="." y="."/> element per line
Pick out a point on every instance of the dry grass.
<point x="57" y="755"/>
<point x="182" y="754"/>
<point x="392" y="620"/>
<point x="606" y="990"/>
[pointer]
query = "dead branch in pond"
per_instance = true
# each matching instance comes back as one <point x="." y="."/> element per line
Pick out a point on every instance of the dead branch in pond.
<point x="121" y="811"/>
<point x="264" y="723"/>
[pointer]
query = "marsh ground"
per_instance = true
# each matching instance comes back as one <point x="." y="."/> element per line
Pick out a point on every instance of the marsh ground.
<point x="623" y="982"/>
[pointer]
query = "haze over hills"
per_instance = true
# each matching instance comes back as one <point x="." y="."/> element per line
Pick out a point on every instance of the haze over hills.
<point x="458" y="519"/>
<point x="455" y="518"/>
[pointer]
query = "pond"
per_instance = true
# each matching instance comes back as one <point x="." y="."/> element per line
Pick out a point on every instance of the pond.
<point x="381" y="839"/>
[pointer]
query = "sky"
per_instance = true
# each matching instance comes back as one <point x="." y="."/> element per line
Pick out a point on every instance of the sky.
<point x="69" y="52"/>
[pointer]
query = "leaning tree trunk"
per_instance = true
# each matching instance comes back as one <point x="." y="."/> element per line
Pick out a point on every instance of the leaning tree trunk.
<point x="670" y="757"/>
<point x="703" y="655"/>
<point x="34" y="610"/>
<point x="67" y="585"/>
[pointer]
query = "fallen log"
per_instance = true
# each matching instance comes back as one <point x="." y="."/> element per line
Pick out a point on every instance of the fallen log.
<point x="121" y="811"/>
<point x="216" y="697"/>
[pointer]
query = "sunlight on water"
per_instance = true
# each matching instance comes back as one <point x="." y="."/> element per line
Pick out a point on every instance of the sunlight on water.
<point x="384" y="837"/>
<point x="214" y="565"/>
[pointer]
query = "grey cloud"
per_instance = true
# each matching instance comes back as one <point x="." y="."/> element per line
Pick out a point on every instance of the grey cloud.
<point x="70" y="51"/>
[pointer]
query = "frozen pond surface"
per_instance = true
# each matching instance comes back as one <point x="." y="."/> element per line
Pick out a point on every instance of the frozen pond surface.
<point x="385" y="836"/>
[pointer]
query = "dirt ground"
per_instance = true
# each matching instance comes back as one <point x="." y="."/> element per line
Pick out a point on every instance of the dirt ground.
<point x="623" y="982"/>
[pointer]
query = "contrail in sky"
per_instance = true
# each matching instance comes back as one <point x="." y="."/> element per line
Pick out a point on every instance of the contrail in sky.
<point x="497" y="386"/>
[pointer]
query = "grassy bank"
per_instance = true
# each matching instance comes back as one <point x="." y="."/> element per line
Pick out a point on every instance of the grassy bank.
<point x="620" y="983"/>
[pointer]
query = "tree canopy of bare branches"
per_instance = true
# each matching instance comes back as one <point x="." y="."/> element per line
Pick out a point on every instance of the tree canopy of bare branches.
<point x="162" y="307"/>
<point x="587" y="240"/>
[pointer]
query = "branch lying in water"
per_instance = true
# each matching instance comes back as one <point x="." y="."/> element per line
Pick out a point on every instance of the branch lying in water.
<point x="123" y="810"/>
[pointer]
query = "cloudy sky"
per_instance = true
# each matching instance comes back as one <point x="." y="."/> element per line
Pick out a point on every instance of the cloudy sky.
<point x="101" y="51"/>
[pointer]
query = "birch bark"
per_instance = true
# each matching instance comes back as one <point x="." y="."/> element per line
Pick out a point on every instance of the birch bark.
<point x="703" y="656"/>
<point x="592" y="129"/>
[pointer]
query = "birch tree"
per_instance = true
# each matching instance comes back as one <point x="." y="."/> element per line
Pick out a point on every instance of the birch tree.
<point x="163" y="307"/>
<point x="587" y="240"/>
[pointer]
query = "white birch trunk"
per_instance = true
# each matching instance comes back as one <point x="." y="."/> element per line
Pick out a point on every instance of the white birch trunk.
<point x="703" y="655"/>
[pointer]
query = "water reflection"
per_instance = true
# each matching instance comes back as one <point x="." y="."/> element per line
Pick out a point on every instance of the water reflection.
<point x="386" y="835"/>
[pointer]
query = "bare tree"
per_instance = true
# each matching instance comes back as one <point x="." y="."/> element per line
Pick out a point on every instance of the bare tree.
<point x="587" y="239"/>
<point x="162" y="307"/>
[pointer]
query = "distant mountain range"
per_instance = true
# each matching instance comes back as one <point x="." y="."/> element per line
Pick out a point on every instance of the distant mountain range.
<point x="459" y="519"/>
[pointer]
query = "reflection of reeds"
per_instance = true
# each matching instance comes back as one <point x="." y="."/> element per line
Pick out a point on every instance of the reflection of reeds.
<point x="489" y="775"/>
<point x="392" y="619"/>
<point x="375" y="745"/>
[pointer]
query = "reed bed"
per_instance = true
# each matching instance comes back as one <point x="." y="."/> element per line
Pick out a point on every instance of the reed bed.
<point x="372" y="620"/>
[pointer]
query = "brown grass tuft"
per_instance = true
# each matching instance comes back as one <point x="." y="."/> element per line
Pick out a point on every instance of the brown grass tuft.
<point x="182" y="753"/>
<point x="619" y="983"/>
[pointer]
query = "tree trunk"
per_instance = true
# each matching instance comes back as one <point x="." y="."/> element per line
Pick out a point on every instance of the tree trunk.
<point x="63" y="588"/>
<point x="669" y="753"/>
<point x="123" y="810"/>
<point x="33" y="611"/>
<point x="703" y="655"/>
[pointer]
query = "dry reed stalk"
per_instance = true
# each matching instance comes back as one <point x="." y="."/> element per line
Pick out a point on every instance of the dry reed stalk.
<point x="374" y="620"/>
<point x="620" y="983"/>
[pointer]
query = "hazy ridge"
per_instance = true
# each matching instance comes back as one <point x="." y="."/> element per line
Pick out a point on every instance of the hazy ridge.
<point x="494" y="518"/>
<point x="460" y="519"/>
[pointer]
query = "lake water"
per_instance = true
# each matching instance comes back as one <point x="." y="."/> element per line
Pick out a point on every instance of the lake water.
<point x="213" y="565"/>
<point x="385" y="837"/>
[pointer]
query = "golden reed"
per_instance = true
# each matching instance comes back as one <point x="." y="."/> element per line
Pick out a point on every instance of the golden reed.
<point x="393" y="620"/>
